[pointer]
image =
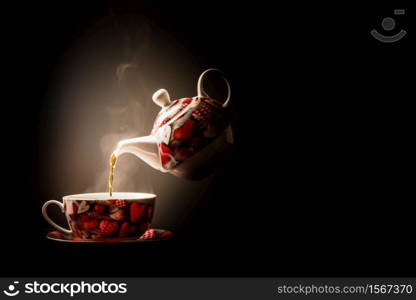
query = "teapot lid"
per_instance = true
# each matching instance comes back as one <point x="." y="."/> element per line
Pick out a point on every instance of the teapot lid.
<point x="175" y="110"/>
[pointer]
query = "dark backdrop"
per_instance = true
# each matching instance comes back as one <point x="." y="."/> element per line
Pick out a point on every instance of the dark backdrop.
<point x="320" y="181"/>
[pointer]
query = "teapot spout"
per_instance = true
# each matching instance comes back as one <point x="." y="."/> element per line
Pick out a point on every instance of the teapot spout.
<point x="144" y="147"/>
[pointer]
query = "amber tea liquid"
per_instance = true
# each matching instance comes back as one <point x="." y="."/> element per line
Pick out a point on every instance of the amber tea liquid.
<point x="113" y="160"/>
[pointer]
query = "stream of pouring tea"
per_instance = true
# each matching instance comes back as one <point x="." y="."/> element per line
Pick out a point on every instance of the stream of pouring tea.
<point x="113" y="160"/>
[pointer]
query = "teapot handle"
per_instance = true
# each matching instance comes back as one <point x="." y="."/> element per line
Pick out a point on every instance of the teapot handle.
<point x="201" y="91"/>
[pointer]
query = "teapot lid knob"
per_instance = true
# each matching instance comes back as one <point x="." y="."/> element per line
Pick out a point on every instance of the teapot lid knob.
<point x="161" y="97"/>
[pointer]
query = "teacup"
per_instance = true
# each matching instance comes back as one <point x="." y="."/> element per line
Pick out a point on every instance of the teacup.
<point x="97" y="216"/>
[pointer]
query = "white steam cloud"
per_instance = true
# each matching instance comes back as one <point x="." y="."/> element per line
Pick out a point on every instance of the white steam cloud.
<point x="127" y="117"/>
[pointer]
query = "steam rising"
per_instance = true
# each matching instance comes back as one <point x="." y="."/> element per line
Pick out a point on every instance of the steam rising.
<point x="126" y="119"/>
<point x="126" y="116"/>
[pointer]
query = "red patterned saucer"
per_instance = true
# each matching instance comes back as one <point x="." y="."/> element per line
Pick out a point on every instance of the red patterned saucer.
<point x="151" y="235"/>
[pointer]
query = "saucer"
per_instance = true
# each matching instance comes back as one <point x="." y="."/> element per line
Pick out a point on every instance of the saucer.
<point x="151" y="235"/>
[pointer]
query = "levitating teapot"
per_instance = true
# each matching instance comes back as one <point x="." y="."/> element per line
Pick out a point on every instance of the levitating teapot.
<point x="190" y="136"/>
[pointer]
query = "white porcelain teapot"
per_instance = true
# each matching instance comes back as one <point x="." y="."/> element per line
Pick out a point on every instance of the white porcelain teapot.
<point x="189" y="135"/>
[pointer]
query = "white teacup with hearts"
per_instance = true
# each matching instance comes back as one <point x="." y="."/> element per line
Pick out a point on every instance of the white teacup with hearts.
<point x="97" y="216"/>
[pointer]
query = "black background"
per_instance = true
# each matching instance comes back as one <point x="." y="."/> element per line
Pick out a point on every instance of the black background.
<point x="320" y="182"/>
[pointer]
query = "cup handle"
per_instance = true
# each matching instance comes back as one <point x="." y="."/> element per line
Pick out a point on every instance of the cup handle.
<point x="201" y="91"/>
<point x="49" y="220"/>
